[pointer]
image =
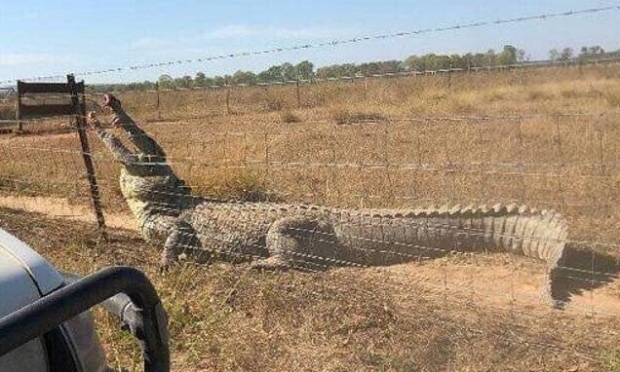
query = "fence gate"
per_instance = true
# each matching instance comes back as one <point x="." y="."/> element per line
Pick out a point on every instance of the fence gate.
<point x="74" y="107"/>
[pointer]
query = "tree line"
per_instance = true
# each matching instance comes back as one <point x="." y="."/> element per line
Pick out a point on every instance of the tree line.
<point x="305" y="70"/>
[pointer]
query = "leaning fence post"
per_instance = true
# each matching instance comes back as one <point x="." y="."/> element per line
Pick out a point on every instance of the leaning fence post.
<point x="80" y="112"/>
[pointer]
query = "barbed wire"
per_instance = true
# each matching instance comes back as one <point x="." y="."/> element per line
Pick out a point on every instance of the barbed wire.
<point x="333" y="43"/>
<point x="512" y="167"/>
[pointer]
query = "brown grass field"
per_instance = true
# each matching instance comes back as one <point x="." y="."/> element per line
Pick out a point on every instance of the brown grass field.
<point x="546" y="138"/>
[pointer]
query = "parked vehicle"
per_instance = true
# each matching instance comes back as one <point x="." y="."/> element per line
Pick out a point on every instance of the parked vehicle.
<point x="45" y="324"/>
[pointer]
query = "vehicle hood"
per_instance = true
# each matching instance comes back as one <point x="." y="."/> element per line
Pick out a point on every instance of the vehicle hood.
<point x="23" y="257"/>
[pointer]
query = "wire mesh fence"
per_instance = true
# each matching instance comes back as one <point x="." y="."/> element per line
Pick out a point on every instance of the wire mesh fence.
<point x="427" y="170"/>
<point x="567" y="162"/>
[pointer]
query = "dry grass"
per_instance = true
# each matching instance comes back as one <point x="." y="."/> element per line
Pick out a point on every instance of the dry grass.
<point x="290" y="117"/>
<point x="350" y="319"/>
<point x="227" y="318"/>
<point x="345" y="117"/>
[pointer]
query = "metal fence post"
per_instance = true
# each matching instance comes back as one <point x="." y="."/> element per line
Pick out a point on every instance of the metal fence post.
<point x="298" y="94"/>
<point x="158" y="102"/>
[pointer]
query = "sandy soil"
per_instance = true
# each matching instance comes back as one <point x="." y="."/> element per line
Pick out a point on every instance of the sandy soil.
<point x="61" y="208"/>
<point x="502" y="282"/>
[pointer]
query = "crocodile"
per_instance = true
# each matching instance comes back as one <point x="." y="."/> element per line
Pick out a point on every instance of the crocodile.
<point x="309" y="237"/>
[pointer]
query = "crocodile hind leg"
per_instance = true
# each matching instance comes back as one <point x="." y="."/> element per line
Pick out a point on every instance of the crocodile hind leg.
<point x="181" y="239"/>
<point x="298" y="243"/>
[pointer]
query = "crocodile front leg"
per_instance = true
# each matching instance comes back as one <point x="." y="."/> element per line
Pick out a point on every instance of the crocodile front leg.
<point x="116" y="147"/>
<point x="147" y="145"/>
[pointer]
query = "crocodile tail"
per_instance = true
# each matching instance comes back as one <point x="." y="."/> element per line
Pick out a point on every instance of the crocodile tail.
<point x="521" y="230"/>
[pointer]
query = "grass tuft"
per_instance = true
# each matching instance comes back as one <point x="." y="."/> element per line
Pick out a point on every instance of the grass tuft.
<point x="346" y="117"/>
<point x="289" y="117"/>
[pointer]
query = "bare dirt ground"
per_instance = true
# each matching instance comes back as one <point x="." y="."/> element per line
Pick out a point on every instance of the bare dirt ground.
<point x="505" y="282"/>
<point x="57" y="207"/>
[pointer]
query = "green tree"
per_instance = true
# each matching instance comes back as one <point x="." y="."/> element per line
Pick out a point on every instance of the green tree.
<point x="490" y="58"/>
<point x="244" y="77"/>
<point x="327" y="72"/>
<point x="305" y="70"/>
<point x="183" y="82"/>
<point x="412" y="63"/>
<point x="566" y="55"/>
<point x="288" y="72"/>
<point x="554" y="55"/>
<point x="219" y="81"/>
<point x="348" y="69"/>
<point x="508" y="56"/>
<point x="428" y="62"/>
<point x="209" y="82"/>
<point x="457" y="61"/>
<point x="165" y="82"/>
<point x="443" y="62"/>
<point x="480" y="60"/>
<point x="369" y="68"/>
<point x="588" y="53"/>
<point x="200" y="80"/>
<point x="273" y="73"/>
<point x="596" y="50"/>
<point x="387" y="67"/>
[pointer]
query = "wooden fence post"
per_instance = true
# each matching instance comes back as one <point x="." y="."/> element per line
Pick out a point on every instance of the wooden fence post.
<point x="80" y="112"/>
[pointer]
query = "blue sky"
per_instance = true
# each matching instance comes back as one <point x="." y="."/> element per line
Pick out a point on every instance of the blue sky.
<point x="49" y="37"/>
